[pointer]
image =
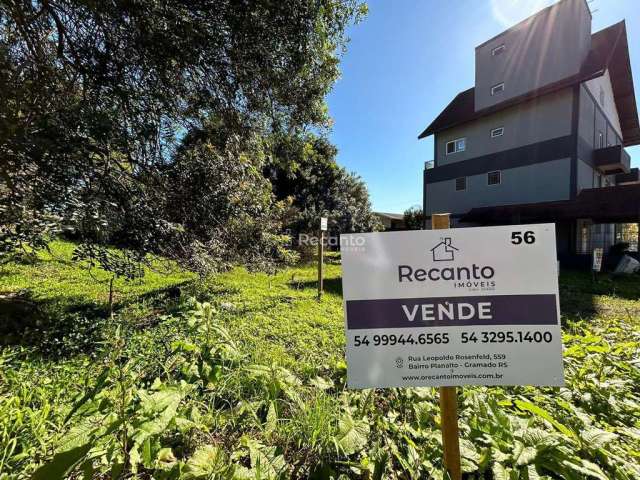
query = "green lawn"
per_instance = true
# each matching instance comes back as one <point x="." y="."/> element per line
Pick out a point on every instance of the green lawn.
<point x="55" y="278"/>
<point x="277" y="318"/>
<point x="52" y="300"/>
<point x="255" y="389"/>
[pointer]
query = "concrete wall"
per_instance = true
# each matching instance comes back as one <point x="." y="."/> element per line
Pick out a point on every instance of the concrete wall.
<point x="539" y="51"/>
<point x="539" y="182"/>
<point x="540" y="119"/>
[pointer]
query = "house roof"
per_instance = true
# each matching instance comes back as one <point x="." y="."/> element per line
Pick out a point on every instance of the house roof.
<point x="609" y="50"/>
<point x="392" y="216"/>
<point x="616" y="204"/>
<point x="445" y="245"/>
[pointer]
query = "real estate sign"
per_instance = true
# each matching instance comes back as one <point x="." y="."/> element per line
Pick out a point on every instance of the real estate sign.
<point x="467" y="306"/>
<point x="596" y="263"/>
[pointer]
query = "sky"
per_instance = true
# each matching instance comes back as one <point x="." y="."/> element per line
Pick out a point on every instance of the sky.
<point x="405" y="62"/>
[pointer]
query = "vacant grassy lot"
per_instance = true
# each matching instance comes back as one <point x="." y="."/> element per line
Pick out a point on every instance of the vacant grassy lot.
<point x="241" y="375"/>
<point x="59" y="305"/>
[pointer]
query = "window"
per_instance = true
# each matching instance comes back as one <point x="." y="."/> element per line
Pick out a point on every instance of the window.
<point x="498" y="50"/>
<point x="497" y="132"/>
<point x="600" y="140"/>
<point x="461" y="183"/>
<point x="493" y="178"/>
<point x="601" y="97"/>
<point x="499" y="88"/>
<point x="456" y="146"/>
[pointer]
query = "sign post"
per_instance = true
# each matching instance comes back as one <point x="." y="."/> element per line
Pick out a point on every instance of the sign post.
<point x="323" y="228"/>
<point x="596" y="263"/>
<point x="448" y="399"/>
<point x="448" y="308"/>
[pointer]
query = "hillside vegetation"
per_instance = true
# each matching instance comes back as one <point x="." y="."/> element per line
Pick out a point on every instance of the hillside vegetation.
<point x="241" y="375"/>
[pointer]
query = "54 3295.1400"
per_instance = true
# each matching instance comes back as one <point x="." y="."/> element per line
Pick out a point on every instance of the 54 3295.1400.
<point x="508" y="336"/>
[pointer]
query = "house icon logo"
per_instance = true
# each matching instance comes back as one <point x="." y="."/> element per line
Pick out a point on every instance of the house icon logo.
<point x="443" y="251"/>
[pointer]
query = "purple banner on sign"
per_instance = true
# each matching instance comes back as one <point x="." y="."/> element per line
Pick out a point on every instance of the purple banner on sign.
<point x="452" y="311"/>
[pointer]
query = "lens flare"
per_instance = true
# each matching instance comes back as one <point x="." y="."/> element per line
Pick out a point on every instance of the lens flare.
<point x="510" y="12"/>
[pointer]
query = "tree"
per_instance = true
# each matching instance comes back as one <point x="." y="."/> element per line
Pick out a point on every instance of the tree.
<point x="97" y="96"/>
<point x="414" y="218"/>
<point x="303" y="168"/>
<point x="224" y="205"/>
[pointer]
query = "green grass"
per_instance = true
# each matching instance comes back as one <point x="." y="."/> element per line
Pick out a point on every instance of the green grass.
<point x="60" y="305"/>
<point x="277" y="317"/>
<point x="262" y="382"/>
<point x="55" y="278"/>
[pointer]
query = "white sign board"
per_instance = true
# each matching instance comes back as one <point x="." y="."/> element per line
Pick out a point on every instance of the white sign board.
<point x="323" y="224"/>
<point x="597" y="259"/>
<point x="466" y="306"/>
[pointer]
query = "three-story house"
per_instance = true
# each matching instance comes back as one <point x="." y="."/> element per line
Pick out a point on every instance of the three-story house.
<point x="541" y="136"/>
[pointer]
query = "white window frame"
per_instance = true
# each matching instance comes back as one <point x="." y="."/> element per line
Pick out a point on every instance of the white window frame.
<point x="495" y="87"/>
<point x="499" y="172"/>
<point x="455" y="146"/>
<point x="495" y="51"/>
<point x="497" y="132"/>
<point x="465" y="184"/>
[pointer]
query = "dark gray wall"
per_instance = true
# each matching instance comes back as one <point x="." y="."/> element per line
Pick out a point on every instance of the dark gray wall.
<point x="539" y="182"/>
<point x="609" y="108"/>
<point x="588" y="177"/>
<point x="541" y="50"/>
<point x="537" y="120"/>
<point x="586" y="119"/>
<point x="594" y="118"/>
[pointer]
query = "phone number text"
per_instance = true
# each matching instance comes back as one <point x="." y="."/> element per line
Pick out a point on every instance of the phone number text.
<point x="515" y="336"/>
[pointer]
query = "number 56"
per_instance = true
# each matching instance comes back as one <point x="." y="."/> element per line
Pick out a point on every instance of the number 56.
<point x="517" y="237"/>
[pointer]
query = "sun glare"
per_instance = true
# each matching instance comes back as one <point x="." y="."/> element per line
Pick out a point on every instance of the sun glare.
<point x="510" y="12"/>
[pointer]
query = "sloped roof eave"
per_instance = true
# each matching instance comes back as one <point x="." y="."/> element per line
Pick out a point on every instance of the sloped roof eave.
<point x="609" y="50"/>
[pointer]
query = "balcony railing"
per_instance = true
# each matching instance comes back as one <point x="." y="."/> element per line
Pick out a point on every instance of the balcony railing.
<point x="627" y="178"/>
<point x="611" y="160"/>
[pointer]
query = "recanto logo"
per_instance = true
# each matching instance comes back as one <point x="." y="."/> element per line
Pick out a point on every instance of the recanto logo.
<point x="444" y="251"/>
<point x="474" y="272"/>
<point x="474" y="277"/>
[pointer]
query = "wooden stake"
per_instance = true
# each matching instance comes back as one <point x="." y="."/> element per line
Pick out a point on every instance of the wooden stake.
<point x="320" y="262"/>
<point x="448" y="398"/>
<point x="449" y="425"/>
